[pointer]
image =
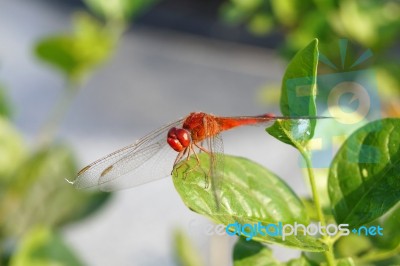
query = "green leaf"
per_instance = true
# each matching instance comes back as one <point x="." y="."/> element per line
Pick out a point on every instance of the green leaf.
<point x="299" y="83"/>
<point x="249" y="194"/>
<point x="353" y="245"/>
<point x="342" y="262"/>
<point x="41" y="246"/>
<point x="79" y="53"/>
<point x="391" y="232"/>
<point x="298" y="98"/>
<point x="302" y="261"/>
<point x="364" y="180"/>
<point x="316" y="258"/>
<point x="12" y="150"/>
<point x="293" y="132"/>
<point x="252" y="253"/>
<point x="231" y="14"/>
<point x="5" y="107"/>
<point x="286" y="12"/>
<point x="261" y="24"/>
<point x="186" y="253"/>
<point x="39" y="195"/>
<point x="248" y="5"/>
<point x="119" y="9"/>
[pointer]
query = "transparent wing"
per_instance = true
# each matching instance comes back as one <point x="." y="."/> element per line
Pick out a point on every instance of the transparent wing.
<point x="149" y="159"/>
<point x="214" y="145"/>
<point x="216" y="164"/>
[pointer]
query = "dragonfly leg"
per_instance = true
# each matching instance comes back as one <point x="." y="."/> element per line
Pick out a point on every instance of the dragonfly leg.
<point x="191" y="150"/>
<point x="197" y="166"/>
<point x="178" y="159"/>
<point x="199" y="145"/>
<point x="201" y="148"/>
<point x="187" y="153"/>
<point x="195" y="154"/>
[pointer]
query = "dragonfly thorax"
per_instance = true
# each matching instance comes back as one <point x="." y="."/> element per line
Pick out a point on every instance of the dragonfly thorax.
<point x="178" y="139"/>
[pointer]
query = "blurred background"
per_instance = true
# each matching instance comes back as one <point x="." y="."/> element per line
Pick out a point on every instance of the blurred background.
<point x="80" y="79"/>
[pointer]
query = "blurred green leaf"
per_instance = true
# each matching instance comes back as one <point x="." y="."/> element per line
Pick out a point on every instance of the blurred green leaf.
<point x="261" y="24"/>
<point x="357" y="23"/>
<point x="248" y="5"/>
<point x="391" y="228"/>
<point x="252" y="253"/>
<point x="231" y="14"/>
<point x="314" y="257"/>
<point x="302" y="261"/>
<point x="363" y="180"/>
<point x="269" y="94"/>
<point x="342" y="262"/>
<point x="119" y="10"/>
<point x="285" y="11"/>
<point x="185" y="252"/>
<point x="310" y="207"/>
<point x="298" y="98"/>
<point x="311" y="26"/>
<point x="39" y="194"/>
<point x="377" y="258"/>
<point x="249" y="193"/>
<point x="41" y="246"/>
<point x="389" y="86"/>
<point x="5" y="106"/>
<point x="352" y="246"/>
<point x="12" y="150"/>
<point x="77" y="54"/>
<point x="369" y="24"/>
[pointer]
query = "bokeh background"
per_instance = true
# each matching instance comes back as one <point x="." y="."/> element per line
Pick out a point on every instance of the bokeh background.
<point x="79" y="80"/>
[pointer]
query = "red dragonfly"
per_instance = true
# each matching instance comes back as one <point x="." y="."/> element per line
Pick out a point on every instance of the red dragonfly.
<point x="157" y="154"/>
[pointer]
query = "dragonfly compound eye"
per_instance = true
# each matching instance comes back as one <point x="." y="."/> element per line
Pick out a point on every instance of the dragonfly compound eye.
<point x="178" y="139"/>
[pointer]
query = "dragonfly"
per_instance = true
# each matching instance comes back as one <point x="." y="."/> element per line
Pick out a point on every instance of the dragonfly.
<point x="157" y="154"/>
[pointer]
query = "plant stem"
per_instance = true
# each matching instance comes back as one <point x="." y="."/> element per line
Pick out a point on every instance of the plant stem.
<point x="336" y="238"/>
<point x="49" y="128"/>
<point x="330" y="258"/>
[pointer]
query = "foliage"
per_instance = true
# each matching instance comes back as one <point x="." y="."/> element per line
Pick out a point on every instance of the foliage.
<point x="5" y="109"/>
<point x="363" y="185"/>
<point x="119" y="10"/>
<point x="363" y="179"/>
<point x="247" y="199"/>
<point x="79" y="53"/>
<point x="369" y="24"/>
<point x="41" y="246"/>
<point x="186" y="254"/>
<point x="301" y="72"/>
<point x="35" y="200"/>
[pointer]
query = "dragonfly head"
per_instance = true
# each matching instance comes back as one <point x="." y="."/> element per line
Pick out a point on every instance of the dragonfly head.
<point x="178" y="139"/>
